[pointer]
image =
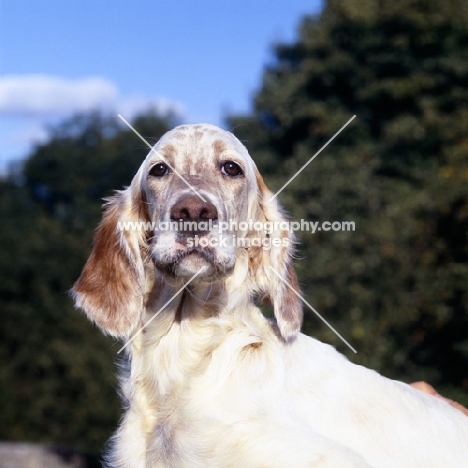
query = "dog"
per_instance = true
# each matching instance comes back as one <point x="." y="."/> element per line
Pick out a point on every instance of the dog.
<point x="208" y="380"/>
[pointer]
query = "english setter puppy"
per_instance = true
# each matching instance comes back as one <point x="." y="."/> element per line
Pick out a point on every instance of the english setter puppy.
<point x="210" y="382"/>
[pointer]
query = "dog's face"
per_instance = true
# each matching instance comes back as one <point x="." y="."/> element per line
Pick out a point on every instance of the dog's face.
<point x="197" y="182"/>
<point x="185" y="206"/>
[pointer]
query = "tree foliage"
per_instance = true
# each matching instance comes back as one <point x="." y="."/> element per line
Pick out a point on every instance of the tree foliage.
<point x="396" y="287"/>
<point x="57" y="381"/>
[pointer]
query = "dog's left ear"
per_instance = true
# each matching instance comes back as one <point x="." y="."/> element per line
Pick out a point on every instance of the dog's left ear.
<point x="271" y="266"/>
<point x="111" y="288"/>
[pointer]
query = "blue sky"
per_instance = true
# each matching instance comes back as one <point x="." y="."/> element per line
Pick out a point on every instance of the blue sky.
<point x="204" y="58"/>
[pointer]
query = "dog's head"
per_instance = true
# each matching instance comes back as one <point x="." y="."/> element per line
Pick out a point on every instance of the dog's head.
<point x="196" y="206"/>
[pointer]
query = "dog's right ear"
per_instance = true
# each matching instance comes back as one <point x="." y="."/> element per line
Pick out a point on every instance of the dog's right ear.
<point x="111" y="287"/>
<point x="272" y="270"/>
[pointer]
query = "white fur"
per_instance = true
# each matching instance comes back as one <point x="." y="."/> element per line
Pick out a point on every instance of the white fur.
<point x="211" y="382"/>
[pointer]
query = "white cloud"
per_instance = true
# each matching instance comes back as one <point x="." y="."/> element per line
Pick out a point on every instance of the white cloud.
<point x="35" y="95"/>
<point x="52" y="96"/>
<point x="30" y="103"/>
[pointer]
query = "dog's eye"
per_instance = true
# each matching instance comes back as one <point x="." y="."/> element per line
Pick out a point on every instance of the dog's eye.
<point x="231" y="169"/>
<point x="159" y="170"/>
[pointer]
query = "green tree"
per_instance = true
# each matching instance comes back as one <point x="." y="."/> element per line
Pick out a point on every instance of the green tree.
<point x="396" y="287"/>
<point x="57" y="380"/>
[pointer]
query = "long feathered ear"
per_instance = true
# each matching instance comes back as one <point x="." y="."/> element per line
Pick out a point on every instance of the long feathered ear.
<point x="111" y="287"/>
<point x="272" y="269"/>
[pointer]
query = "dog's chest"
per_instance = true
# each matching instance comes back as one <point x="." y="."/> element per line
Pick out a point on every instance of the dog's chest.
<point x="172" y="443"/>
